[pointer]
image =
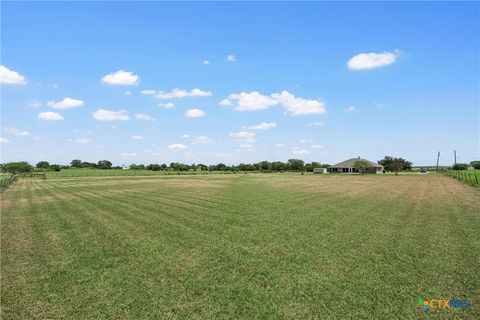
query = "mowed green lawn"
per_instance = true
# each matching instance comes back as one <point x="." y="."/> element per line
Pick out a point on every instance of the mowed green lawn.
<point x="265" y="246"/>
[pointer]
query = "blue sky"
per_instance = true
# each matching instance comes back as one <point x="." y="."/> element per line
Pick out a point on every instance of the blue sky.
<point x="317" y="81"/>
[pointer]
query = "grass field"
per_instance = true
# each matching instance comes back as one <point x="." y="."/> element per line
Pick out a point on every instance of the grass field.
<point x="259" y="246"/>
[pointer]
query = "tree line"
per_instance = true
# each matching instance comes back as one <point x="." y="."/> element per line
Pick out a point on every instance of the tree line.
<point x="390" y="164"/>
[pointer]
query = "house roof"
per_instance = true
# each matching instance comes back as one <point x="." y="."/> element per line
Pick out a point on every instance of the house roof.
<point x="350" y="163"/>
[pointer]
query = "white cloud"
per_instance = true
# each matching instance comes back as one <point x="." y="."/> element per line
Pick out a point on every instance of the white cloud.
<point x="66" y="103"/>
<point x="202" y="140"/>
<point x="263" y="126"/>
<point x="127" y="93"/>
<point x="280" y="145"/>
<point x="316" y="124"/>
<point x="181" y="93"/>
<point x="250" y="101"/>
<point x="137" y="137"/>
<point x="177" y="146"/>
<point x="350" y="109"/>
<point x="303" y="141"/>
<point x="168" y="105"/>
<point x="148" y="92"/>
<point x="8" y="76"/>
<point x="4" y="140"/>
<point x="35" y="104"/>
<point x="316" y="146"/>
<point x="131" y="154"/>
<point x="144" y="117"/>
<point x="121" y="77"/>
<point x="52" y="116"/>
<point x="246" y="146"/>
<point x="364" y="61"/>
<point x="299" y="106"/>
<point x="225" y="103"/>
<point x="243" y="136"/>
<point x="110" y="115"/>
<point x="185" y="136"/>
<point x="206" y="62"/>
<point x="16" y="132"/>
<point x="301" y="151"/>
<point x="194" y="113"/>
<point x="81" y="140"/>
<point x="231" y="58"/>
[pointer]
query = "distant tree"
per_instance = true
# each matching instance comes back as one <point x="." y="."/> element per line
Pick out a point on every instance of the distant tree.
<point x="54" y="167"/>
<point x="397" y="166"/>
<point x="76" y="163"/>
<point x="388" y="161"/>
<point x="154" y="167"/>
<point x="86" y="164"/>
<point x="202" y="167"/>
<point x="279" y="166"/>
<point x="296" y="164"/>
<point x="361" y="165"/>
<point x="118" y="168"/>
<point x="220" y="167"/>
<point x="475" y="164"/>
<point x="17" y="167"/>
<point x="104" y="164"/>
<point x="264" y="165"/>
<point x="460" y="166"/>
<point x="43" y="165"/>
<point x="326" y="165"/>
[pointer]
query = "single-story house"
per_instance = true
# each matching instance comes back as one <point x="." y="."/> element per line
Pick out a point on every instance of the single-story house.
<point x="348" y="166"/>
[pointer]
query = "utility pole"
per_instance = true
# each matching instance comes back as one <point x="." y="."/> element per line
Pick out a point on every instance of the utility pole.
<point x="455" y="156"/>
<point x="438" y="157"/>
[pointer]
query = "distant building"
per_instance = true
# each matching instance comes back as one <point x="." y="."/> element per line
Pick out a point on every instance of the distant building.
<point x="319" y="170"/>
<point x="348" y="166"/>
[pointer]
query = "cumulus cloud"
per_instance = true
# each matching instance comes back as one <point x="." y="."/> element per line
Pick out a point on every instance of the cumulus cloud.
<point x="148" y="92"/>
<point x="50" y="116"/>
<point x="280" y="145"/>
<point x="206" y="62"/>
<point x="316" y="124"/>
<point x="249" y="101"/>
<point x="301" y="151"/>
<point x="110" y="115"/>
<point x="137" y="137"/>
<point x="177" y="146"/>
<point x="194" y="113"/>
<point x="316" y="146"/>
<point x="81" y="140"/>
<point x="202" y="140"/>
<point x="16" y="132"/>
<point x="8" y="76"/>
<point x="246" y="146"/>
<point x="181" y="93"/>
<point x="364" y="61"/>
<point x="350" y="109"/>
<point x="127" y="93"/>
<point x="129" y="154"/>
<point x="66" y="103"/>
<point x="299" y="106"/>
<point x="168" y="105"/>
<point x="185" y="136"/>
<point x="263" y="126"/>
<point x="144" y="117"/>
<point x="225" y="103"/>
<point x="245" y="136"/>
<point x="121" y="77"/>
<point x="4" y="140"/>
<point x="231" y="58"/>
